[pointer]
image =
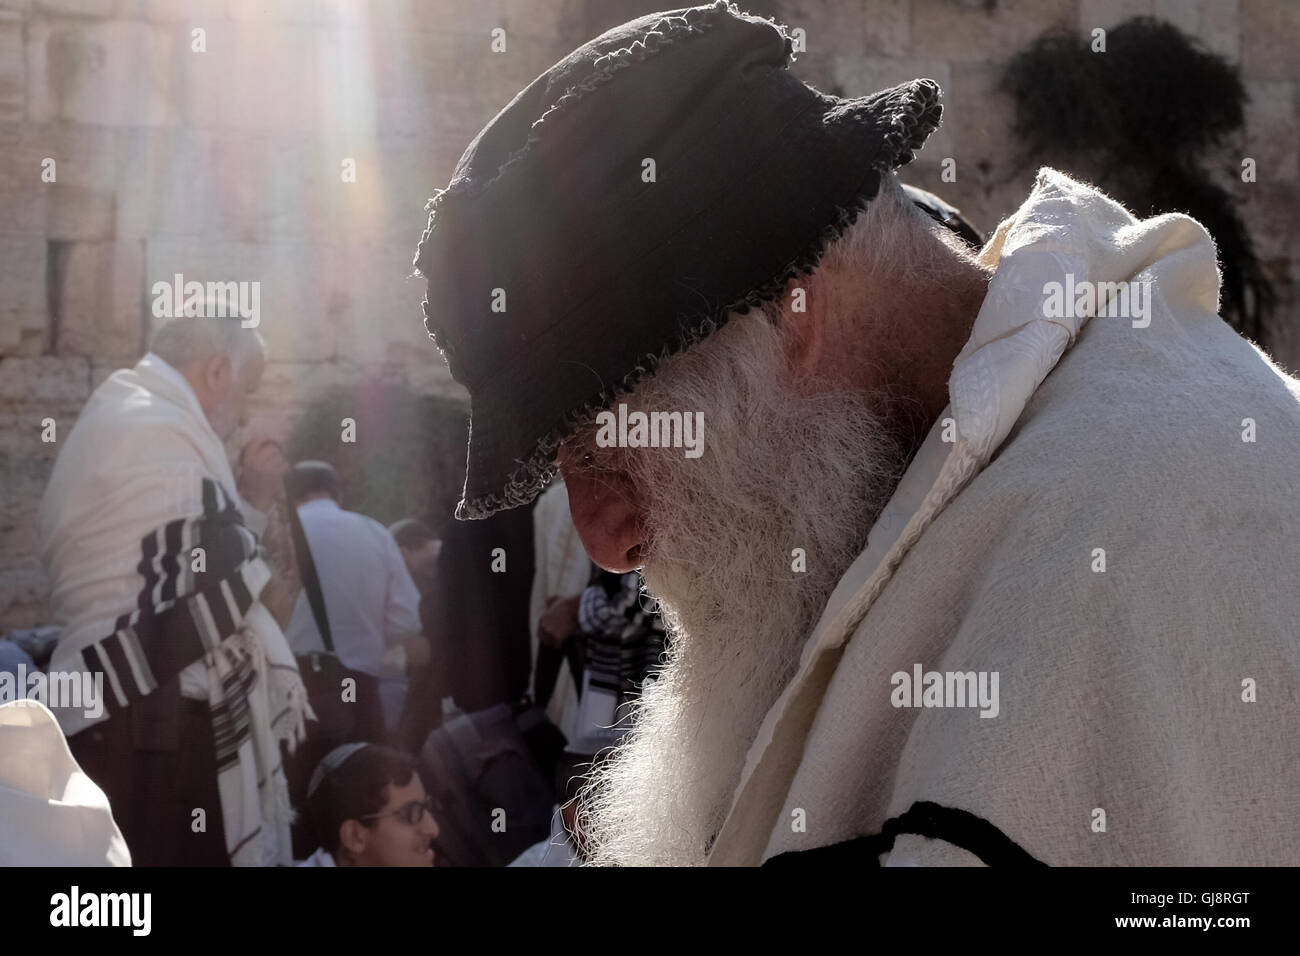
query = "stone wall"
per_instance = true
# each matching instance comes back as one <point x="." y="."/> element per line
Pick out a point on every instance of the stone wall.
<point x="227" y="164"/>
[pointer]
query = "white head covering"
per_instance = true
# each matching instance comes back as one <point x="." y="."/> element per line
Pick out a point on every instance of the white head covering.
<point x="51" y="813"/>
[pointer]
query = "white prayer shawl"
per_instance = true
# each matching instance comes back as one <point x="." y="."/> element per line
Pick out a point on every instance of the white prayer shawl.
<point x="51" y="813"/>
<point x="141" y="481"/>
<point x="561" y="569"/>
<point x="1147" y="712"/>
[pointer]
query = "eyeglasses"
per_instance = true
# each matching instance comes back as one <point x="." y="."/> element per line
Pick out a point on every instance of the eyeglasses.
<point x="410" y="813"/>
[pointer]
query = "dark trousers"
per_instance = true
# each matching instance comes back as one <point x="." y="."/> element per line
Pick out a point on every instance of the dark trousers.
<point x="338" y="722"/>
<point x="156" y="777"/>
<point x="549" y="662"/>
<point x="422" y="712"/>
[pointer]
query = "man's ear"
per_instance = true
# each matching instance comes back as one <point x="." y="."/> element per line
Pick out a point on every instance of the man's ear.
<point x="218" y="374"/>
<point x="353" y="836"/>
<point x="801" y="309"/>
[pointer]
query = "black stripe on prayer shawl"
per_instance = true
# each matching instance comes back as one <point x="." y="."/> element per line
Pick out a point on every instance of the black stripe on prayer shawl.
<point x="221" y="617"/>
<point x="210" y="497"/>
<point x="171" y="640"/>
<point x="148" y="552"/>
<point x="230" y="721"/>
<point x="171" y="631"/>
<point x="112" y="647"/>
<point x="94" y="665"/>
<point x="221" y="533"/>
<point x="239" y="591"/>
<point x="961" y="828"/>
<point x="141" y="672"/>
<point x="171" y="559"/>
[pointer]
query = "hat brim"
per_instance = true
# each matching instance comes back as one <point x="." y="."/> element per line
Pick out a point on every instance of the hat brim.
<point x="550" y="390"/>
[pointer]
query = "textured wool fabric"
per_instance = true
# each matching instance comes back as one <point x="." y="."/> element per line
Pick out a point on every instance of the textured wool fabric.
<point x="658" y="178"/>
<point x="1120" y="690"/>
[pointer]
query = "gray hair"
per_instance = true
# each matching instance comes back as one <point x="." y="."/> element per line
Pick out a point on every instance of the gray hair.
<point x="890" y="238"/>
<point x="184" y="340"/>
<point x="893" y="237"/>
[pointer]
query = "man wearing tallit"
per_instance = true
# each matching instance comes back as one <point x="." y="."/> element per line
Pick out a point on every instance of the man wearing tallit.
<point x="163" y="587"/>
<point x="987" y="558"/>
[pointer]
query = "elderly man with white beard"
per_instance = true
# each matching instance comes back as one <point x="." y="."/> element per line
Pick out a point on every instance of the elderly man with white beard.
<point x="963" y="574"/>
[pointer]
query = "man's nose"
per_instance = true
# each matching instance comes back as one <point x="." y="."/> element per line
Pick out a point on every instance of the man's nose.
<point x="430" y="826"/>
<point x="608" y="520"/>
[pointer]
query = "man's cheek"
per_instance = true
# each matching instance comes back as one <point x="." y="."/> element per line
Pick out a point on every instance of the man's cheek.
<point x="584" y="496"/>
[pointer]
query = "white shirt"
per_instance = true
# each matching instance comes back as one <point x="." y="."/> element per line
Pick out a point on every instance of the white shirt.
<point x="319" y="858"/>
<point x="555" y="850"/>
<point x="562" y="569"/>
<point x="370" y="599"/>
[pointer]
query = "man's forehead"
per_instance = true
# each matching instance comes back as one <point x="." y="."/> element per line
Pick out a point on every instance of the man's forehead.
<point x="398" y="797"/>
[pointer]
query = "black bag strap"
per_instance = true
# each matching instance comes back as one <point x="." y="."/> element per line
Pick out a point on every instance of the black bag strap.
<point x="310" y="580"/>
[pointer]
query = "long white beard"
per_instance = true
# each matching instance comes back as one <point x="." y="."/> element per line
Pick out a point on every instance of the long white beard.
<point x="784" y="467"/>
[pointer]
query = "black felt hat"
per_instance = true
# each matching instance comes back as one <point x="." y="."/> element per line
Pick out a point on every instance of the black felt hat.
<point x="658" y="178"/>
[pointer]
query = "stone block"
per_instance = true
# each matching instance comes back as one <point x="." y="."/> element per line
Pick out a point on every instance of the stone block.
<point x="424" y="82"/>
<point x="1110" y="13"/>
<point x="830" y="29"/>
<point x="266" y="77"/>
<point x="298" y="311"/>
<point x="1273" y="129"/>
<point x="1270" y="39"/>
<point x="110" y="72"/>
<point x="77" y="212"/>
<point x="1213" y="23"/>
<point x="21" y="195"/>
<point x="13" y="79"/>
<point x="23" y="312"/>
<point x="536" y="18"/>
<point x="20" y="437"/>
<point x="202" y="12"/>
<point x="76" y="8"/>
<point x="1269" y="211"/>
<point x="375" y="304"/>
<point x="19" y="534"/>
<point x="290" y="384"/>
<point x="99" y="298"/>
<point x="887" y="27"/>
<point x="24" y="595"/>
<point x="265" y="186"/>
<point x="432" y="377"/>
<point x="979" y="118"/>
<point x="45" y="382"/>
<point x="79" y="203"/>
<point x="208" y="182"/>
<point x="975" y="30"/>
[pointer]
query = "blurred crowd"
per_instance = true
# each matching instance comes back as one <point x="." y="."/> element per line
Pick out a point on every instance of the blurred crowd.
<point x="287" y="681"/>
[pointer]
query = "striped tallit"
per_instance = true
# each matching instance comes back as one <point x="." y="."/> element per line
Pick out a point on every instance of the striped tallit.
<point x="157" y="574"/>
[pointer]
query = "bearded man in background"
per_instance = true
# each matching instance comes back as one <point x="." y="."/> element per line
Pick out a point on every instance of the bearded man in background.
<point x="161" y="565"/>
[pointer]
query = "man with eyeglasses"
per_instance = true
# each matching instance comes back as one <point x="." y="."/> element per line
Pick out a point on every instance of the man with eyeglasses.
<point x="368" y="808"/>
